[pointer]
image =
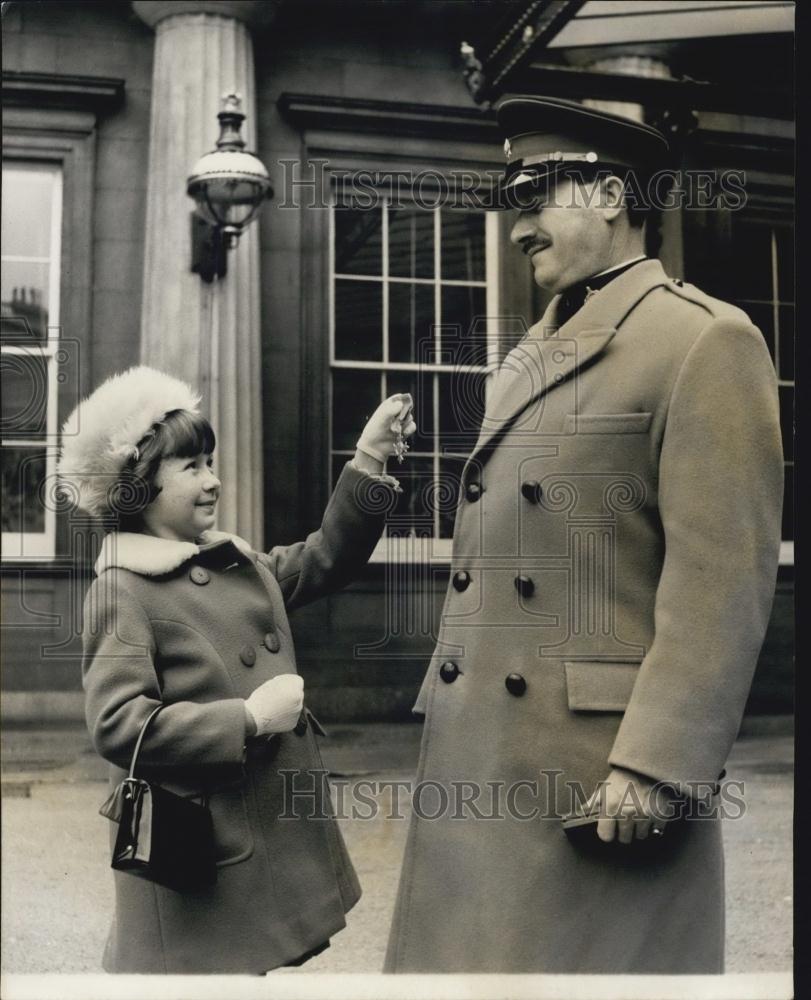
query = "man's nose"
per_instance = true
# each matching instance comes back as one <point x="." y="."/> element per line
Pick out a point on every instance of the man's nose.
<point x="522" y="228"/>
<point x="212" y="482"/>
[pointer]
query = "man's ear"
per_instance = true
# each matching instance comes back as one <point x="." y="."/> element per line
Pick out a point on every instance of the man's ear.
<point x="613" y="200"/>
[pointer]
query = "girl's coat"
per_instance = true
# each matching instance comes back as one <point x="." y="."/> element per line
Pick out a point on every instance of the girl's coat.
<point x="199" y="628"/>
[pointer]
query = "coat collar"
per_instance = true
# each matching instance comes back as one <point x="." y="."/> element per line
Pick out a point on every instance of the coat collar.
<point x="151" y="556"/>
<point x="548" y="354"/>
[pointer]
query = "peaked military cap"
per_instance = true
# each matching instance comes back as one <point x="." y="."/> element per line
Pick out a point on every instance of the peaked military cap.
<point x="546" y="136"/>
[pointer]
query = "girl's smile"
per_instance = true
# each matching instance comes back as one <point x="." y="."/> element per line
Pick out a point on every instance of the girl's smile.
<point x="187" y="502"/>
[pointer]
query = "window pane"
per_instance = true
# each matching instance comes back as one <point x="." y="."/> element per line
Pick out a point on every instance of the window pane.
<point x="25" y="395"/>
<point x="788" y="505"/>
<point x="24" y="294"/>
<point x="411" y="316"/>
<point x="414" y="512"/>
<point x="27" y="210"/>
<point x="462" y="246"/>
<point x="462" y="306"/>
<point x="420" y="385"/>
<point x="23" y="469"/>
<point x="359" y="320"/>
<point x="358" y="241"/>
<point x="450" y="476"/>
<point x="355" y="397"/>
<point x="461" y="409"/>
<point x="786" y="320"/>
<point x="787" y="420"/>
<point x="785" y="262"/>
<point x="750" y="272"/>
<point x="411" y="243"/>
<point x="762" y="315"/>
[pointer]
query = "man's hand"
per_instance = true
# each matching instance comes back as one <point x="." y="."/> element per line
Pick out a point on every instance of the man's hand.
<point x="631" y="807"/>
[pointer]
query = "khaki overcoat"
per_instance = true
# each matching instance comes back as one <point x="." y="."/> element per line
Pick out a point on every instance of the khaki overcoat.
<point x="614" y="561"/>
<point x="198" y="628"/>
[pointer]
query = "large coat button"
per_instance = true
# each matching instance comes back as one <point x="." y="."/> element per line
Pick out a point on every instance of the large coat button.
<point x="462" y="580"/>
<point x="271" y="641"/>
<point x="515" y="684"/>
<point x="524" y="586"/>
<point x="449" y="672"/>
<point x="248" y="655"/>
<point x="531" y="490"/>
<point x="199" y="576"/>
<point x="473" y="491"/>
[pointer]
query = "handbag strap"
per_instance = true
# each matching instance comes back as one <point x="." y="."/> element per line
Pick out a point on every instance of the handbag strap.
<point x="140" y="740"/>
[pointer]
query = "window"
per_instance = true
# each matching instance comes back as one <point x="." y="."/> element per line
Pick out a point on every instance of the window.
<point x="31" y="250"/>
<point x="409" y="297"/>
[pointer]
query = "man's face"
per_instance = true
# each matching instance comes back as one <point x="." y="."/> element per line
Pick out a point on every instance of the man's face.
<point x="567" y="239"/>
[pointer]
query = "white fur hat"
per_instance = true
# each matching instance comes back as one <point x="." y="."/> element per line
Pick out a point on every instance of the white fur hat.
<point x="102" y="433"/>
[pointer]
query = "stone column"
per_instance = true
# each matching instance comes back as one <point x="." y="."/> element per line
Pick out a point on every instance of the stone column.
<point x="206" y="334"/>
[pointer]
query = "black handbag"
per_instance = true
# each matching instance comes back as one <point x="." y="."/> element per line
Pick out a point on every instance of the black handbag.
<point x="162" y="837"/>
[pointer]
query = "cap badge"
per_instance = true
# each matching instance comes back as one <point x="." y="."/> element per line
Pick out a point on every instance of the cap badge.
<point x="507" y="148"/>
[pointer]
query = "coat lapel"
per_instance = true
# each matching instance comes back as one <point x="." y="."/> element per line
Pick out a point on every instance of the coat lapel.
<point x="549" y="354"/>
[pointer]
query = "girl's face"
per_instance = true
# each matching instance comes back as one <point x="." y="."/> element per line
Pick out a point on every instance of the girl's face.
<point x="185" y="506"/>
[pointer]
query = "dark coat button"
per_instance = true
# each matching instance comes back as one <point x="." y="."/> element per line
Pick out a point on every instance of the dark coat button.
<point x="524" y="586"/>
<point x="199" y="576"/>
<point x="515" y="684"/>
<point x="301" y="726"/>
<point x="462" y="580"/>
<point x="531" y="490"/>
<point x="271" y="641"/>
<point x="248" y="655"/>
<point x="473" y="491"/>
<point x="449" y="672"/>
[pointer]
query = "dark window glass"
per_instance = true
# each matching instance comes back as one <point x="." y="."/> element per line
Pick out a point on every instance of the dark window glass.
<point x="462" y="246"/>
<point x="461" y="408"/>
<point x="786" y="321"/>
<point x="355" y="397"/>
<point x="411" y="317"/>
<point x="358" y="320"/>
<point x="420" y="385"/>
<point x="23" y="470"/>
<point x="358" y="241"/>
<point x="25" y="395"/>
<point x="750" y="274"/>
<point x="415" y="505"/>
<point x="411" y="243"/>
<point x="787" y="420"/>
<point x="788" y="504"/>
<point x="464" y="309"/>
<point x="785" y="262"/>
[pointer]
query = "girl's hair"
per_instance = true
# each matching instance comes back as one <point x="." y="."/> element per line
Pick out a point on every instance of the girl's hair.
<point x="180" y="434"/>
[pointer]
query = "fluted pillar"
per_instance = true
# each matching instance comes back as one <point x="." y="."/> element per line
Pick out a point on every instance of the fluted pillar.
<point x="208" y="334"/>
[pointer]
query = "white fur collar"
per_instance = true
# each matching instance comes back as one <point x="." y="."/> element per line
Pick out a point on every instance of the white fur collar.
<point x="151" y="556"/>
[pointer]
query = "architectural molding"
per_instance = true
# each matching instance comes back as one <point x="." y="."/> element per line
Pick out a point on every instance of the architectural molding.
<point x="99" y="94"/>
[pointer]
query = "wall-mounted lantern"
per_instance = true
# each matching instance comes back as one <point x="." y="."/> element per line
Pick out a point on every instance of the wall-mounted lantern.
<point x="229" y="186"/>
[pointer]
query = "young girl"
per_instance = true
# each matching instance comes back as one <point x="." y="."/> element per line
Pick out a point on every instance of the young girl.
<point x="192" y="619"/>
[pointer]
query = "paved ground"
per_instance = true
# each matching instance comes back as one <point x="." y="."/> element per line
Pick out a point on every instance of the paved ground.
<point x="57" y="889"/>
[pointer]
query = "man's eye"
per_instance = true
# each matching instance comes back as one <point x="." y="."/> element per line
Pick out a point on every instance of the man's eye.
<point x="189" y="465"/>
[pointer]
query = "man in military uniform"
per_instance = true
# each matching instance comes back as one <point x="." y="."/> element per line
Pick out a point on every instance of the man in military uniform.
<point x="614" y="559"/>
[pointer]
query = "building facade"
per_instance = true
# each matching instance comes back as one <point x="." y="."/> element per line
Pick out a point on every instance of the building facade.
<point x="375" y="268"/>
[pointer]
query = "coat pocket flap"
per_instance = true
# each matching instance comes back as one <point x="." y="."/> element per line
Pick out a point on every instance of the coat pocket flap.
<point x="600" y="685"/>
<point x="607" y="423"/>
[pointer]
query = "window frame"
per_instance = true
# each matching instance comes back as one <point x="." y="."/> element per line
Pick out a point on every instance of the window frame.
<point x="411" y="548"/>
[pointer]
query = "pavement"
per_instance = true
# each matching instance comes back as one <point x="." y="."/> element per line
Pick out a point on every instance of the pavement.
<point x="57" y="888"/>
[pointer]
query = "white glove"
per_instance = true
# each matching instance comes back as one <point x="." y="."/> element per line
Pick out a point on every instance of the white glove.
<point x="276" y="705"/>
<point x="380" y="432"/>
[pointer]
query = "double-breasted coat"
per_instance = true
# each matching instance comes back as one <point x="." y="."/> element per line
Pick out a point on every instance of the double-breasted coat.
<point x="614" y="560"/>
<point x="198" y="628"/>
